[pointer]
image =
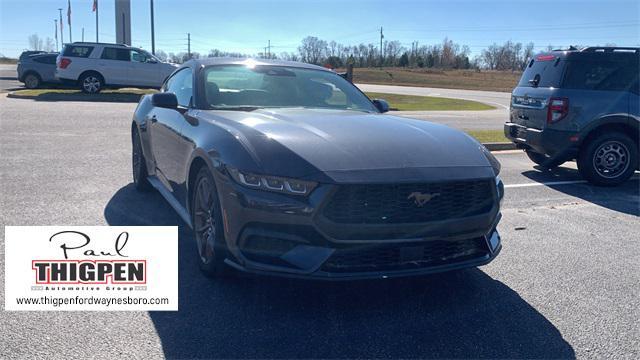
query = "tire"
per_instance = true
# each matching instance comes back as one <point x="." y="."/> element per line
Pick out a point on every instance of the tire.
<point x="206" y="218"/>
<point x="543" y="160"/>
<point x="138" y="164"/>
<point x="32" y="81"/>
<point x="91" y="83"/>
<point x="609" y="159"/>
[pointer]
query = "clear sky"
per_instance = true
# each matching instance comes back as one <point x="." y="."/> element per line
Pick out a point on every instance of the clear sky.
<point x="246" y="26"/>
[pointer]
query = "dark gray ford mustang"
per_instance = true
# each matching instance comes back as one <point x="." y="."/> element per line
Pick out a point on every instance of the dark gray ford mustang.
<point x="288" y="169"/>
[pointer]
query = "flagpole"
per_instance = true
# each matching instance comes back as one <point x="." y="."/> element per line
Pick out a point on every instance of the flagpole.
<point x="96" y="3"/>
<point x="55" y="21"/>
<point x="69" y="20"/>
<point x="61" y="26"/>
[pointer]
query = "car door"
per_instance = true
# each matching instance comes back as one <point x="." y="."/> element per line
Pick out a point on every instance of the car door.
<point x="170" y="151"/>
<point x="46" y="67"/>
<point x="114" y="64"/>
<point x="144" y="69"/>
<point x="634" y="102"/>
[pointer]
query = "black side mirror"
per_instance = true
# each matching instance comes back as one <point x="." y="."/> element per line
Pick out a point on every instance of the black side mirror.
<point x="381" y="105"/>
<point x="166" y="100"/>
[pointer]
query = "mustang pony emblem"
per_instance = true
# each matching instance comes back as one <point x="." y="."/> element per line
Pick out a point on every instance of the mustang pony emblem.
<point x="420" y="199"/>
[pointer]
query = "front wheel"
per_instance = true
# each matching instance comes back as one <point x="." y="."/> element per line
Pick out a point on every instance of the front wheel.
<point x="138" y="164"/>
<point x="206" y="218"/>
<point x="91" y="83"/>
<point x="609" y="159"/>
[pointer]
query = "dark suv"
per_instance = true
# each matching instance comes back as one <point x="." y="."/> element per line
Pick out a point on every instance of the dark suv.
<point x="580" y="105"/>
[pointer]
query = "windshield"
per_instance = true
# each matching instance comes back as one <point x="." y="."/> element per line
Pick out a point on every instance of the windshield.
<point x="240" y="86"/>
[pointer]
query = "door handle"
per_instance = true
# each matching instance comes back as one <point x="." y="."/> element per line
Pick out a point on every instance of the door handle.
<point x="154" y="119"/>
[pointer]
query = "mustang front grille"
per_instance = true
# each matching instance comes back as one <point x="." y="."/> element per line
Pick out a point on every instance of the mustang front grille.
<point x="396" y="257"/>
<point x="409" y="203"/>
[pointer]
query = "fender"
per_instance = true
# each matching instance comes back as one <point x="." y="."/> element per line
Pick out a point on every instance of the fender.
<point x="140" y="122"/>
<point x="613" y="119"/>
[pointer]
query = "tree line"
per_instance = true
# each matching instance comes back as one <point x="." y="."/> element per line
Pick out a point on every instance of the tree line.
<point x="448" y="54"/>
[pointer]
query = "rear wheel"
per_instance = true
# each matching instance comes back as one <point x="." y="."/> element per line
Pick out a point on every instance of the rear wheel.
<point x="32" y="81"/>
<point x="91" y="83"/>
<point x="206" y="218"/>
<point x="608" y="160"/>
<point x="543" y="160"/>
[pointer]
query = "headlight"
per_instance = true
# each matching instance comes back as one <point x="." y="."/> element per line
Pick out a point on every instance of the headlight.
<point x="495" y="164"/>
<point x="500" y="188"/>
<point x="272" y="183"/>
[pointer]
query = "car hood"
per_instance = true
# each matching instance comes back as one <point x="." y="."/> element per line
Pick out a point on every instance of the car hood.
<point x="358" y="146"/>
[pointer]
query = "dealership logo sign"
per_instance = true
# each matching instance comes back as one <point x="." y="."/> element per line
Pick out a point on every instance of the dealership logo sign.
<point x="91" y="268"/>
<point x="120" y="271"/>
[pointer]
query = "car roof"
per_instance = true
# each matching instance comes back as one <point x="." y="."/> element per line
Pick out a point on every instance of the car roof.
<point x="28" y="57"/>
<point x="594" y="51"/>
<point x="245" y="61"/>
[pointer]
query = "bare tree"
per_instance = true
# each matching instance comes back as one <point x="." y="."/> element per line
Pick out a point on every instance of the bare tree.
<point x="161" y="55"/>
<point x="35" y="42"/>
<point x="49" y="45"/>
<point x="312" y="50"/>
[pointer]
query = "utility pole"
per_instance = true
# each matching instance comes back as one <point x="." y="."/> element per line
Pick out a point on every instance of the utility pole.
<point x="56" y="22"/>
<point x="264" y="54"/>
<point x="189" y="45"/>
<point x="153" y="35"/>
<point x="381" y="37"/>
<point x="83" y="34"/>
<point x="61" y="34"/>
<point x="269" y="51"/>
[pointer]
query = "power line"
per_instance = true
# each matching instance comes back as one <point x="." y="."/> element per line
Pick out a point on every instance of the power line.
<point x="503" y="29"/>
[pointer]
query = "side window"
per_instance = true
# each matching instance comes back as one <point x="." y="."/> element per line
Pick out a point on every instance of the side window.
<point x="48" y="59"/>
<point x="181" y="84"/>
<point x="77" y="51"/>
<point x="139" y="56"/>
<point x="599" y="75"/>
<point x="110" y="53"/>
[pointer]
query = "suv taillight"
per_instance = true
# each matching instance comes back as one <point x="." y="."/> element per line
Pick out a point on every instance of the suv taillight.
<point x="558" y="109"/>
<point x="64" y="62"/>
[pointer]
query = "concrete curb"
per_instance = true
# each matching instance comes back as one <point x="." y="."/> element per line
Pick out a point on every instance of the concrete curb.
<point x="500" y="146"/>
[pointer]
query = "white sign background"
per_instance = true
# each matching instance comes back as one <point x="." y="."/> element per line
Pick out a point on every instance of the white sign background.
<point x="158" y="245"/>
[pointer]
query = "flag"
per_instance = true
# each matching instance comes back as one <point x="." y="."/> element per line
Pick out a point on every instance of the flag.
<point x="95" y="5"/>
<point x="69" y="13"/>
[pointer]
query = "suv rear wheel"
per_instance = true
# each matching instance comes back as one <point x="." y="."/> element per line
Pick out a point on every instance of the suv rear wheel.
<point x="31" y="81"/>
<point x="91" y="83"/>
<point x="609" y="159"/>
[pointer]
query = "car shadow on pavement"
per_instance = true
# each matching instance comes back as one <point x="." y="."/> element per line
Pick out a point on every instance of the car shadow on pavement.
<point x="624" y="198"/>
<point x="127" y="97"/>
<point x="453" y="315"/>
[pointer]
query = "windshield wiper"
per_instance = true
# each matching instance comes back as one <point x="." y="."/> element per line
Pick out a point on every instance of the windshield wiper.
<point x="236" y="108"/>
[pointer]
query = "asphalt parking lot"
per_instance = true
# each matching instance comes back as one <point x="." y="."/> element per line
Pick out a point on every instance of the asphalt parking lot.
<point x="565" y="284"/>
<point x="8" y="79"/>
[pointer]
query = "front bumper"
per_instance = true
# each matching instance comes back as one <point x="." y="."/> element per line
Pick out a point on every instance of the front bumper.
<point x="555" y="143"/>
<point x="275" y="234"/>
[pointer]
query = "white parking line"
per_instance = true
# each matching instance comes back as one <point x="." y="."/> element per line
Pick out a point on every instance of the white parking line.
<point x="550" y="183"/>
